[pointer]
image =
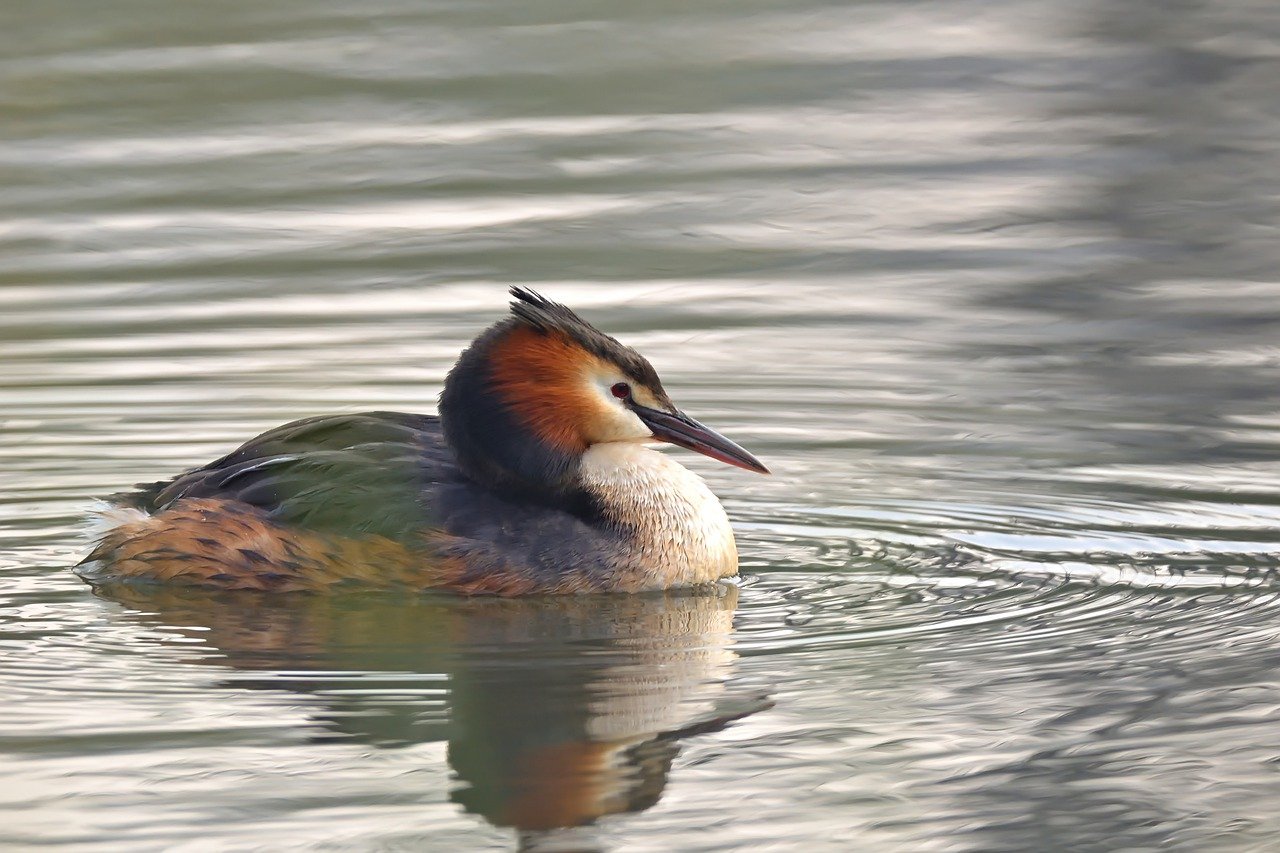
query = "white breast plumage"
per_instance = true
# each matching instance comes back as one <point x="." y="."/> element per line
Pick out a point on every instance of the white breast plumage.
<point x="682" y="533"/>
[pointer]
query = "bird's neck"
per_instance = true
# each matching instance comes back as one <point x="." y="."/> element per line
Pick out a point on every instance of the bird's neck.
<point x="489" y="439"/>
<point x="678" y="530"/>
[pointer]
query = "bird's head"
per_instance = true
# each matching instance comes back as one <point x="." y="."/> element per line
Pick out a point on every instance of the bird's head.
<point x="535" y="391"/>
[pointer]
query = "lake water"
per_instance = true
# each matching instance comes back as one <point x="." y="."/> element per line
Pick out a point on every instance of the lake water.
<point x="991" y="286"/>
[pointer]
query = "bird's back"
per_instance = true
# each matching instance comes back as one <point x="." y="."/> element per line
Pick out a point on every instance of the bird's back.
<point x="345" y="474"/>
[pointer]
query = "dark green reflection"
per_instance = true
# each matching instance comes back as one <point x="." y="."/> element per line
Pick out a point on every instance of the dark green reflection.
<point x="559" y="710"/>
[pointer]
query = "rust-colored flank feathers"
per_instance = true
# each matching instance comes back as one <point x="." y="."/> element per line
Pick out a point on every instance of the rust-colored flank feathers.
<point x="533" y="479"/>
<point x="231" y="545"/>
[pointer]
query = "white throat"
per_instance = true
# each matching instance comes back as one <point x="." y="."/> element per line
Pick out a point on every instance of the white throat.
<point x="683" y="537"/>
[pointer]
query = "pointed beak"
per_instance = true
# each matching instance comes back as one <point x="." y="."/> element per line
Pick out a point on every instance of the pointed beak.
<point x="682" y="430"/>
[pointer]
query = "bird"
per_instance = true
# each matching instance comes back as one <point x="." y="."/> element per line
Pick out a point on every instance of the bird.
<point x="538" y="476"/>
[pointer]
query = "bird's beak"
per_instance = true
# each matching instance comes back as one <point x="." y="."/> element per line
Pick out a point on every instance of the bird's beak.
<point x="680" y="429"/>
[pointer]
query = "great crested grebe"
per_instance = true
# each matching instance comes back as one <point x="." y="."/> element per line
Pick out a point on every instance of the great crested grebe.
<point x="535" y="478"/>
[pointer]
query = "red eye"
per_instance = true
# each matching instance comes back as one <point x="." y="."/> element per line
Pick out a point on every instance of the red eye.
<point x="621" y="390"/>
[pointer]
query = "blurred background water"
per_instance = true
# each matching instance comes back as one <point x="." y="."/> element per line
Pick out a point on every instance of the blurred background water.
<point x="991" y="286"/>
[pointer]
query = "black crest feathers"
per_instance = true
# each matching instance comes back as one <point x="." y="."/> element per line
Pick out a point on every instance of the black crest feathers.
<point x="535" y="310"/>
<point x="544" y="315"/>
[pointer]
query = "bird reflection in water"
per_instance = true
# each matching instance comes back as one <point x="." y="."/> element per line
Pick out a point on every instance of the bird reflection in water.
<point x="562" y="710"/>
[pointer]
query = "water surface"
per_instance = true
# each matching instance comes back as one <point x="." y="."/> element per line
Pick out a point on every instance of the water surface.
<point x="990" y="286"/>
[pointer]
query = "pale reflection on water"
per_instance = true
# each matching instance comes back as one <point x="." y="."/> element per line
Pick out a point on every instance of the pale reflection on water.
<point x="991" y="286"/>
<point x="557" y="712"/>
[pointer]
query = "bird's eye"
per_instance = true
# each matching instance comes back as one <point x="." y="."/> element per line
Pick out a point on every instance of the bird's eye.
<point x="621" y="390"/>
